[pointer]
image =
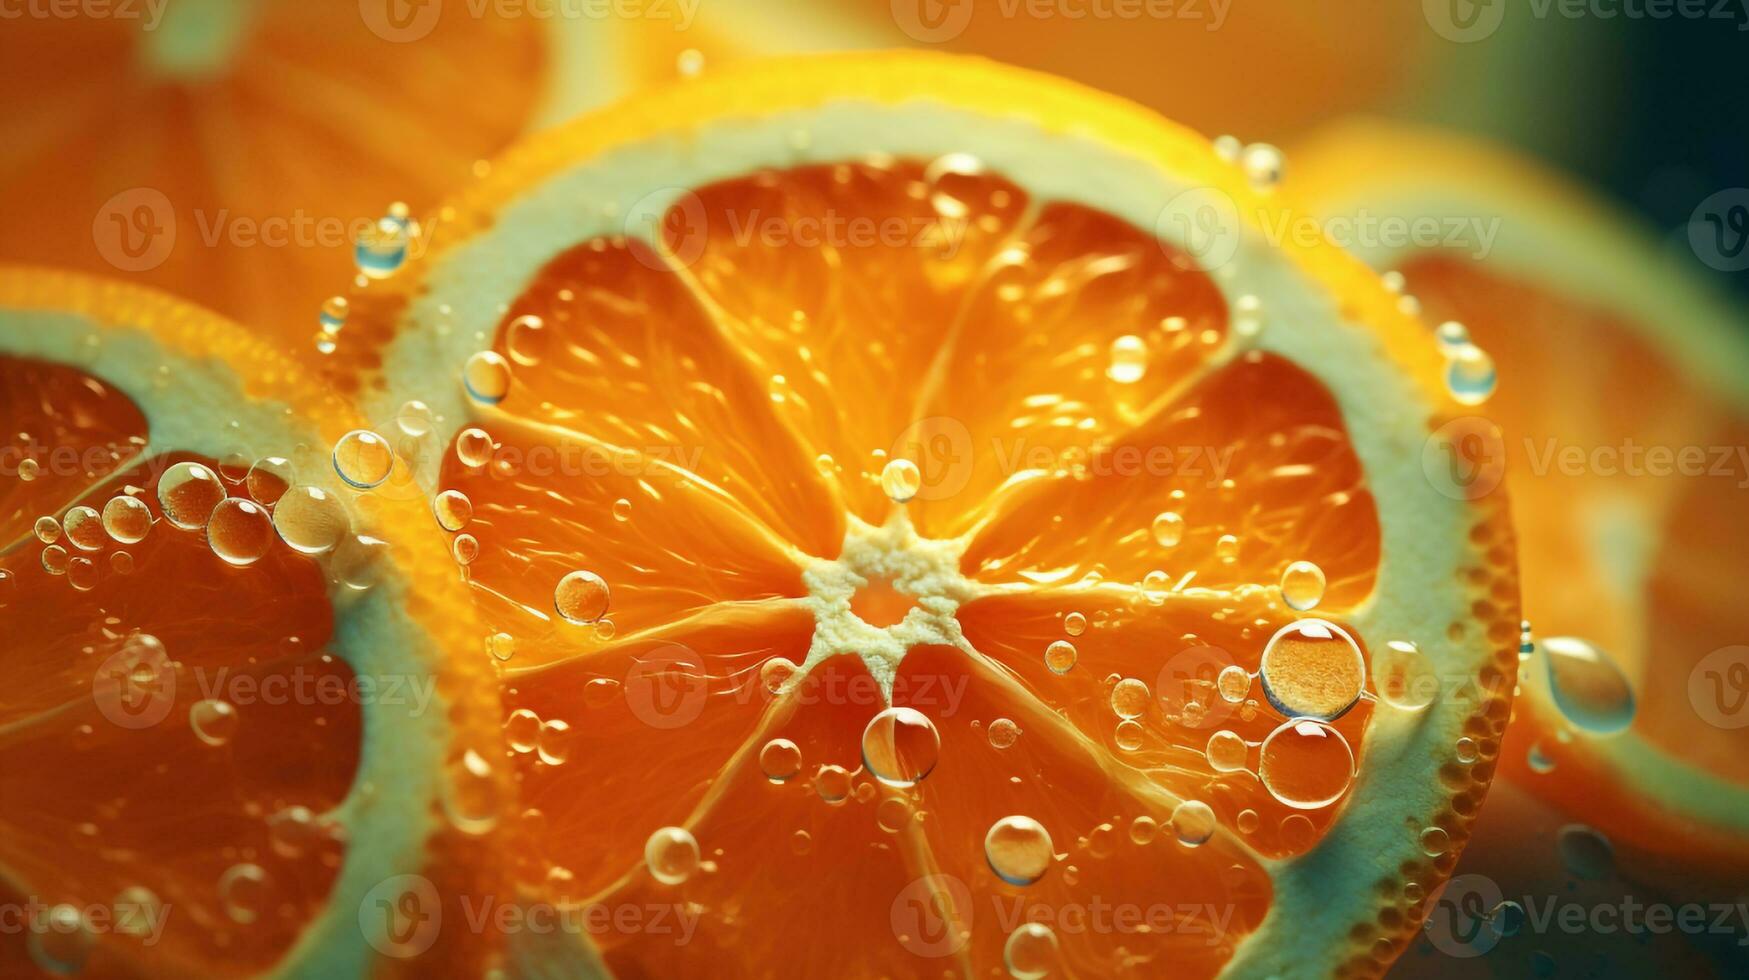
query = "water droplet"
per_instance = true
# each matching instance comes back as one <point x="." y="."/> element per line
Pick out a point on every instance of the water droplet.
<point x="382" y="248"/>
<point x="1248" y="821"/>
<point x="900" y="746"/>
<point x="55" y="559"/>
<point x="1129" y="735"/>
<point x="1452" y="337"/>
<point x="1060" y="656"/>
<point x="269" y="479"/>
<point x="127" y="519"/>
<point x="1074" y="624"/>
<point x="1507" y="918"/>
<point x="472" y="797"/>
<point x="892" y="813"/>
<point x="1466" y="750"/>
<point x="473" y="447"/>
<point x="1003" y="733"/>
<point x="780" y="760"/>
<point x="1263" y="165"/>
<point x="1306" y="764"/>
<point x="689" y="63"/>
<point x="84" y="528"/>
<point x="1168" y="529"/>
<point x="1435" y="841"/>
<point x="522" y="730"/>
<point x="363" y="459"/>
<point x="581" y="597"/>
<point x="333" y="314"/>
<point x="1233" y="683"/>
<point x="240" y="531"/>
<point x="213" y="721"/>
<point x="556" y="740"/>
<point x="1031" y="952"/>
<point x="453" y="509"/>
<point x="1129" y="359"/>
<point x="466" y="548"/>
<point x="310" y="519"/>
<point x="1227" y="752"/>
<point x="1193" y="821"/>
<point x="82" y="574"/>
<point x="901" y="480"/>
<point x="501" y="646"/>
<point x="948" y="178"/>
<point x="527" y="339"/>
<point x="48" y="530"/>
<point x="137" y="908"/>
<point x="1404" y="676"/>
<point x="1587" y="686"/>
<point x="486" y="376"/>
<point x="1302" y="585"/>
<point x="29" y="469"/>
<point x="1312" y="669"/>
<point x="122" y="562"/>
<point x="1585" y="852"/>
<point x="832" y="783"/>
<point x="776" y="673"/>
<point x="1539" y="761"/>
<point x="63" y="942"/>
<point x="1129" y="698"/>
<point x="1018" y="849"/>
<point x="622" y="510"/>
<point x="1470" y="375"/>
<point x="188" y="492"/>
<point x="243" y="892"/>
<point x="414" y="419"/>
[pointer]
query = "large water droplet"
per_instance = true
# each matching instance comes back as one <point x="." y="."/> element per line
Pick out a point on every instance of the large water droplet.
<point x="1587" y="686"/>
<point x="1018" y="849"/>
<point x="240" y="531"/>
<point x="188" y="492"/>
<point x="486" y="376"/>
<point x="901" y="479"/>
<point x="671" y="855"/>
<point x="900" y="746"/>
<point x="363" y="459"/>
<point x="1312" y="669"/>
<point x="581" y="597"/>
<point x="1306" y="764"/>
<point x="1302" y="585"/>
<point x="84" y="528"/>
<point x="1193" y="821"/>
<point x="127" y="519"/>
<point x="1031" y="952"/>
<point x="780" y="760"/>
<point x="310" y="519"/>
<point x="269" y="479"/>
<point x="1585" y="852"/>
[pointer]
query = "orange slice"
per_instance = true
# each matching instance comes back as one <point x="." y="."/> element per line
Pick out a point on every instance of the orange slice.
<point x="868" y="480"/>
<point x="245" y="146"/>
<point x="1621" y="391"/>
<point x="222" y="755"/>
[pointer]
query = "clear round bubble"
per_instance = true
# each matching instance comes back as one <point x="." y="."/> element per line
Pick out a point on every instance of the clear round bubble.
<point x="465" y="548"/>
<point x="243" y="892"/>
<point x="359" y="562"/>
<point x="555" y="741"/>
<point x="240" y="531"/>
<point x="55" y="559"/>
<point x="1193" y="822"/>
<point x="127" y="519"/>
<point x="901" y="479"/>
<point x="1168" y="529"/>
<point x="522" y="730"/>
<point x="1452" y="337"/>
<point x="1129" y="735"/>
<point x="900" y="746"/>
<point x="1312" y="669"/>
<point x="1403" y="676"/>
<point x="1060" y="656"/>
<point x="332" y="316"/>
<point x="1003" y="733"/>
<point x="486" y="376"/>
<point x="269" y="479"/>
<point x="213" y="721"/>
<point x="1018" y="849"/>
<point x="1075" y="624"/>
<point x="1435" y="841"/>
<point x="1302" y="585"/>
<point x="672" y="855"/>
<point x="1227" y="548"/>
<point x="84" y="528"/>
<point x="1306" y="764"/>
<point x="363" y="459"/>
<point x="473" y="447"/>
<point x="1129" y="359"/>
<point x="187" y="493"/>
<point x="527" y="338"/>
<point x="581" y="597"/>
<point x="415" y="419"/>
<point x="1233" y="683"/>
<point x="1129" y="698"/>
<point x="47" y="529"/>
<point x="453" y="510"/>
<point x="832" y="783"/>
<point x="501" y="646"/>
<point x="1263" y="165"/>
<point x="1585" y="852"/>
<point x="1587" y="685"/>
<point x="1032" y="952"/>
<point x="1227" y="752"/>
<point x="781" y="760"/>
<point x="82" y="574"/>
<point x="64" y="942"/>
<point x="311" y="520"/>
<point x="1469" y="375"/>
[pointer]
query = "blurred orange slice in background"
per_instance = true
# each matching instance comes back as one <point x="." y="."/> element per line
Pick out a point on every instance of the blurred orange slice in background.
<point x="898" y="517"/>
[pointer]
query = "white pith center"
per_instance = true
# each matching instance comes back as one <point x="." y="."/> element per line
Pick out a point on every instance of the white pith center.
<point x="923" y="569"/>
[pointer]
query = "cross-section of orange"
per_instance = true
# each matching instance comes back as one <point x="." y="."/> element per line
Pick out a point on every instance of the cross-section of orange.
<point x="219" y="754"/>
<point x="1621" y="392"/>
<point x="872" y="462"/>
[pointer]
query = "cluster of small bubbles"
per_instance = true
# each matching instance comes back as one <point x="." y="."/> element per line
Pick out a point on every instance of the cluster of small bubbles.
<point x="1018" y="849"/>
<point x="781" y="760"/>
<point x="1585" y="852"/>
<point x="465" y="548"/>
<point x="901" y="479"/>
<point x="1467" y="750"/>
<point x="1031" y="952"/>
<point x="1075" y="624"/>
<point x="556" y="739"/>
<point x="188" y="492"/>
<point x="127" y="519"/>
<point x="832" y="783"/>
<point x="213" y="721"/>
<point x="1193" y="821"/>
<point x="501" y="646"/>
<point x="84" y="528"/>
<point x="1312" y="668"/>
<point x="382" y="249"/>
<point x="1435" y="841"/>
<point x="1227" y="751"/>
<point x="1233" y="683"/>
<point x="1129" y="735"/>
<point x="1470" y="375"/>
<point x="473" y="447"/>
<point x="63" y="941"/>
<point x="1129" y="698"/>
<point x="243" y="892"/>
<point x="47" y="529"/>
<point x="1587" y="685"/>
<point x="1168" y="529"/>
<point x="311" y="520"/>
<point x="486" y="376"/>
<point x="1003" y="733"/>
<point x="240" y="531"/>
<point x="1306" y="764"/>
<point x="333" y="314"/>
<point x="581" y="597"/>
<point x="363" y="459"/>
<point x="54" y="559"/>
<point x="1263" y="165"/>
<point x="1129" y="359"/>
<point x="900" y="746"/>
<point x="527" y="339"/>
<point x="1404" y="676"/>
<point x="1302" y="585"/>
<point x="1060" y="656"/>
<point x="269" y="479"/>
<point x="453" y="510"/>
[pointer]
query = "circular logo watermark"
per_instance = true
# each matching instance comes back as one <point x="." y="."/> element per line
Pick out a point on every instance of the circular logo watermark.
<point x="667" y="687"/>
<point x="1718" y="230"/>
<point x="1464" y="21"/>
<point x="401" y="916"/>
<point x="672" y="222"/>
<point x="400" y="21"/>
<point x="1204" y="222"/>
<point x="941" y="446"/>
<point x="135" y="230"/>
<point x="932" y="21"/>
<point x="1460" y="916"/>
<point x="1718" y="688"/>
<point x="135" y="687"/>
<point x="1187" y="687"/>
<point x="1464" y="459"/>
<point x="932" y="916"/>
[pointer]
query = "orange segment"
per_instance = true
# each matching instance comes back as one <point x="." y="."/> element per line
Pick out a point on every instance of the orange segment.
<point x="868" y="619"/>
<point x="69" y="430"/>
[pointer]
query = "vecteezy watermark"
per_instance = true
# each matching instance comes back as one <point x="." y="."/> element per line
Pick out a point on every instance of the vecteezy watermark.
<point x="940" y="21"/>
<point x="1469" y="916"/>
<point x="405" y="21"/>
<point x="1718" y="687"/>
<point x="143" y="919"/>
<point x="1467" y="458"/>
<point x="1718" y="230"/>
<point x="1206" y="223"/>
<point x="403" y="917"/>
<point x="1466" y="21"/>
<point x="147" y="12"/>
